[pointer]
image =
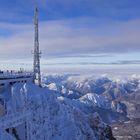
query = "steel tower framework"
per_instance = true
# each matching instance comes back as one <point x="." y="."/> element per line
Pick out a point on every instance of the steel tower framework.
<point x="37" y="53"/>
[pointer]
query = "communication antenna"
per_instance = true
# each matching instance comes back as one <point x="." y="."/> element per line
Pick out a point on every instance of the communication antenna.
<point x="37" y="52"/>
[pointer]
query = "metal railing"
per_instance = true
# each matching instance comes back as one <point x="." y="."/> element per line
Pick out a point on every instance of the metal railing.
<point x="13" y="74"/>
<point x="13" y="120"/>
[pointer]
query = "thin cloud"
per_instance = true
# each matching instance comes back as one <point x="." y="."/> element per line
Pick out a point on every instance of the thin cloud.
<point x="65" y="38"/>
<point x="129" y="62"/>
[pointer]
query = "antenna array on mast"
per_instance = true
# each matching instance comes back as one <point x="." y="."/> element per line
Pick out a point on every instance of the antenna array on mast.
<point x="37" y="53"/>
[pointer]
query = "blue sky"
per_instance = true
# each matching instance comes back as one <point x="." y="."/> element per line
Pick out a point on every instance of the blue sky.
<point x="81" y="31"/>
<point x="61" y="9"/>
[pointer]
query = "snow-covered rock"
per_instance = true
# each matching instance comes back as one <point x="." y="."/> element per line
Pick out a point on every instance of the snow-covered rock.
<point x="55" y="117"/>
<point x="102" y="92"/>
<point x="5" y="136"/>
<point x="92" y="99"/>
<point x="65" y="108"/>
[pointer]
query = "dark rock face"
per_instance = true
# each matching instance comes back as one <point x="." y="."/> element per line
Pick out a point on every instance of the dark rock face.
<point x="99" y="127"/>
<point x="129" y="130"/>
<point x="132" y="103"/>
<point x="108" y="133"/>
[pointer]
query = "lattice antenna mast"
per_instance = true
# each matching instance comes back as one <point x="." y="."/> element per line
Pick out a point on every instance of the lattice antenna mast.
<point x="37" y="53"/>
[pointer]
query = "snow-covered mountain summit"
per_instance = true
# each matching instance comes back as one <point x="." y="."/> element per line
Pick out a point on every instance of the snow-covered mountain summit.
<point x="52" y="117"/>
<point x="100" y="94"/>
<point x="70" y="108"/>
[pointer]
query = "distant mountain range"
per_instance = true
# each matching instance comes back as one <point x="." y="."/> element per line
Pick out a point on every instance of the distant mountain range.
<point x="117" y="98"/>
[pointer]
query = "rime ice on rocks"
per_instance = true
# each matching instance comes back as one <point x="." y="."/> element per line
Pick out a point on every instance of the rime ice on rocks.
<point x="48" y="117"/>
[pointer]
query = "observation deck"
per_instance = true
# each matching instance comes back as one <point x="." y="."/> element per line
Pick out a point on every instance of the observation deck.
<point x="11" y="77"/>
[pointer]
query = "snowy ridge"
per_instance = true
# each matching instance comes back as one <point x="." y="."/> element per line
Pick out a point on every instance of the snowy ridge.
<point x="52" y="118"/>
<point x="92" y="99"/>
<point x="101" y="94"/>
<point x="66" y="108"/>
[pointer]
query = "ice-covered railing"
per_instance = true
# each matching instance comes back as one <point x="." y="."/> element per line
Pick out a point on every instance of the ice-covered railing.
<point x="15" y="74"/>
<point x="13" y="120"/>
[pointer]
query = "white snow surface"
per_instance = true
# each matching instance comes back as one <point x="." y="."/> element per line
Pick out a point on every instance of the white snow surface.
<point x="92" y="99"/>
<point x="5" y="136"/>
<point x="57" y="108"/>
<point x="52" y="117"/>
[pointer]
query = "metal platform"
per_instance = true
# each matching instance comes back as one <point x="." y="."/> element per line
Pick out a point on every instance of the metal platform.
<point x="13" y="77"/>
